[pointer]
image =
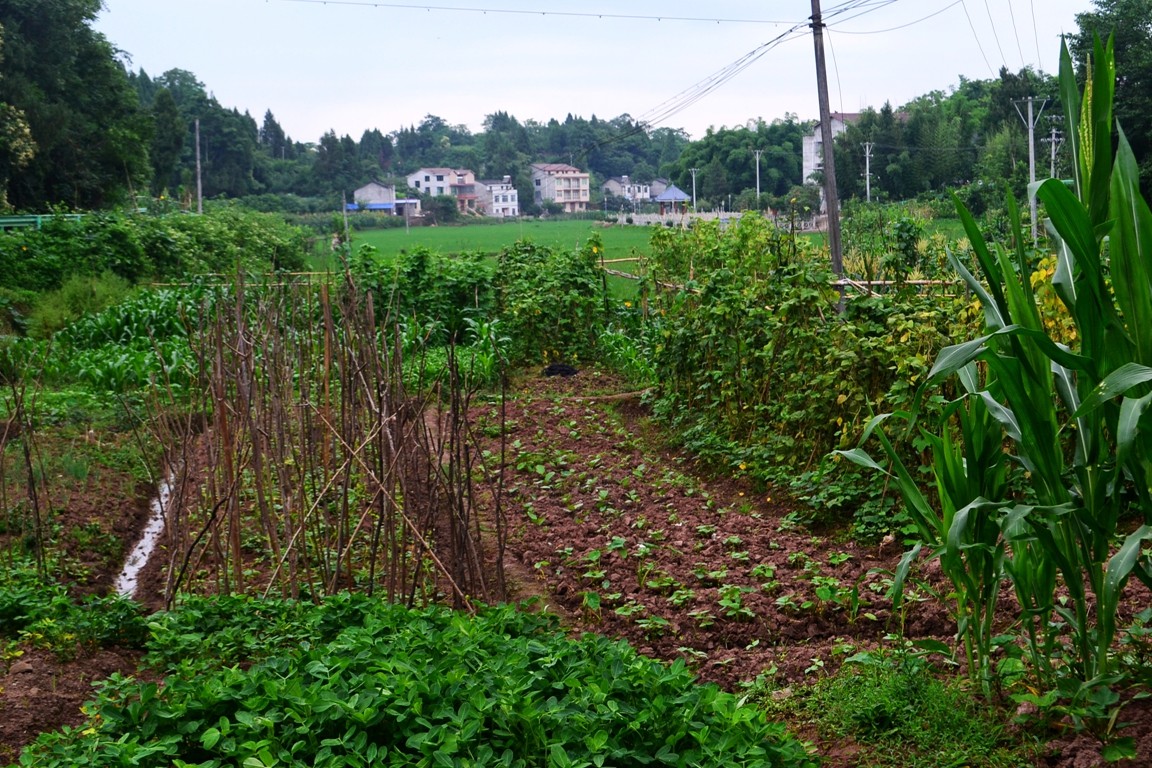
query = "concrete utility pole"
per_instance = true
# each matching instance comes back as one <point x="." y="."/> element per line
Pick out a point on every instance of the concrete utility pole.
<point x="830" y="197"/>
<point x="757" y="153"/>
<point x="1054" y="141"/>
<point x="868" y="170"/>
<point x="199" y="184"/>
<point x="1030" y="121"/>
<point x="693" y="171"/>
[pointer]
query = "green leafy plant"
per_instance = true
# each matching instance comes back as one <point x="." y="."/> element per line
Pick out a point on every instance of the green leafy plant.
<point x="355" y="682"/>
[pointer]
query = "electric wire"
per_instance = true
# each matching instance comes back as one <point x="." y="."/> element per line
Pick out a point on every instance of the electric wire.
<point x="979" y="45"/>
<point x="694" y="93"/>
<point x="1016" y="32"/>
<point x="523" y="12"/>
<point x="689" y="96"/>
<point x="901" y="26"/>
<point x="835" y="69"/>
<point x="995" y="36"/>
<point x="686" y="98"/>
<point x="1036" y="36"/>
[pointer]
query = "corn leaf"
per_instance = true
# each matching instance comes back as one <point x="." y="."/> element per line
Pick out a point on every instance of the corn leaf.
<point x="1070" y="98"/>
<point x="953" y="358"/>
<point x="1116" y="576"/>
<point x="1131" y="251"/>
<point x="1114" y="384"/>
<point x="1132" y="412"/>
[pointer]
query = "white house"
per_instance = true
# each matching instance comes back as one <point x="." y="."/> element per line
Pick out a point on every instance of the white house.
<point x="563" y="184"/>
<point x="497" y="198"/>
<point x="813" y="146"/>
<point x="459" y="183"/>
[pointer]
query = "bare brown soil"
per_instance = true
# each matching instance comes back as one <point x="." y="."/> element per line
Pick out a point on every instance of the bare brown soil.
<point x="618" y="535"/>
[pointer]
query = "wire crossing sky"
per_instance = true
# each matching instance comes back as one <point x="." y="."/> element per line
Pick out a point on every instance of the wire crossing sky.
<point x="352" y="65"/>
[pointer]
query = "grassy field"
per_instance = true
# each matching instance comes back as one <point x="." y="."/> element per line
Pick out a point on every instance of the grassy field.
<point x="619" y="242"/>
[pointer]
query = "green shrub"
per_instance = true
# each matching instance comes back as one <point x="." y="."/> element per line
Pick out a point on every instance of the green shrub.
<point x="78" y="296"/>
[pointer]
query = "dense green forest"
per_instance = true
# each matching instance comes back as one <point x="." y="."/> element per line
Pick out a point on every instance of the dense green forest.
<point x="80" y="129"/>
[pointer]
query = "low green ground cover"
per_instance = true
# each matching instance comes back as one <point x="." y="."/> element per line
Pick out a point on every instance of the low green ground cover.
<point x="355" y="682"/>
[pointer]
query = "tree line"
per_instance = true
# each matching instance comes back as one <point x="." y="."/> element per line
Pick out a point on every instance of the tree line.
<point x="79" y="129"/>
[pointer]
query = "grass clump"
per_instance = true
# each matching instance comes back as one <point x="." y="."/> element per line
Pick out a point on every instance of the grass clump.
<point x="899" y="714"/>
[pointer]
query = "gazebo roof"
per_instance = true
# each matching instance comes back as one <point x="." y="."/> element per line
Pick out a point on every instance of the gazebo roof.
<point x="673" y="195"/>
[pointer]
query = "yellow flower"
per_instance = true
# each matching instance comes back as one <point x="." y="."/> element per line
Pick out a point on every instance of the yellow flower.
<point x="743" y="465"/>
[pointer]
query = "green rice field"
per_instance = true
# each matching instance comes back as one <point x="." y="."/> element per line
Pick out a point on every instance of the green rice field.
<point x="620" y="242"/>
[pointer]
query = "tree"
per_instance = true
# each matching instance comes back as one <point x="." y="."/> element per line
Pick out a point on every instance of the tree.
<point x="376" y="153"/>
<point x="168" y="132"/>
<point x="17" y="147"/>
<point x="61" y="82"/>
<point x="272" y="137"/>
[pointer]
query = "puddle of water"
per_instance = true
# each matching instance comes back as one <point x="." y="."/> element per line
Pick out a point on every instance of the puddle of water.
<point x="129" y="578"/>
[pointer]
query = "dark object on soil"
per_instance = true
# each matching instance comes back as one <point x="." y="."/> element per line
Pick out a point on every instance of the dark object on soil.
<point x="560" y="369"/>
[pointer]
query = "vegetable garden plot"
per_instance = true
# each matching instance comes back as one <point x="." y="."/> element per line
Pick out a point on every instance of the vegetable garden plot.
<point x="631" y="543"/>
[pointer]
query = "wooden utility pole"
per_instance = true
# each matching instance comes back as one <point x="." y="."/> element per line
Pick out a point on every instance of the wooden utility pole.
<point x="832" y="202"/>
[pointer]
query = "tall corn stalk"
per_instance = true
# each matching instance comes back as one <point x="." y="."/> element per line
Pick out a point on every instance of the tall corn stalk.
<point x="1071" y="427"/>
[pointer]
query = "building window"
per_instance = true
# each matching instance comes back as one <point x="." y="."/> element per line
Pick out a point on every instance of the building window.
<point x="439" y="177"/>
<point x="427" y="178"/>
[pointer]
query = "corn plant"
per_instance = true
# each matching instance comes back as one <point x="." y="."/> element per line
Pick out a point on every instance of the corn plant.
<point x="1070" y="429"/>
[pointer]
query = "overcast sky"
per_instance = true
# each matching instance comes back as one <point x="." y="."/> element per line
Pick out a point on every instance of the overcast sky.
<point x="351" y="65"/>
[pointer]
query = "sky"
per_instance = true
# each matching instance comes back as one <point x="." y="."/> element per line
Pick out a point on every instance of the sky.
<point x="354" y="65"/>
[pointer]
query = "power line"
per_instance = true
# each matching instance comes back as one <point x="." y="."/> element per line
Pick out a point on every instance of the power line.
<point x="1036" y="36"/>
<point x="521" y="12"/>
<point x="979" y="45"/>
<point x="1016" y="32"/>
<point x="996" y="37"/>
<point x="836" y="69"/>
<point x="689" y="96"/>
<point x="902" y="26"/>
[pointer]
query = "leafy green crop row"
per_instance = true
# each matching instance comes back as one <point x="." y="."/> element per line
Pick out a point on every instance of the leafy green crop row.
<point x="755" y="368"/>
<point x="353" y="682"/>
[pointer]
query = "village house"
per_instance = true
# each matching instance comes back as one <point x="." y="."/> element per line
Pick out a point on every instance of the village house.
<point x="813" y="145"/>
<point x="380" y="197"/>
<point x="436" y="182"/>
<point x="623" y="186"/>
<point x="497" y="198"/>
<point x="563" y="184"/>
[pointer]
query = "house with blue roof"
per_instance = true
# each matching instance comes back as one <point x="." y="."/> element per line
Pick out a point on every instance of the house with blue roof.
<point x="381" y="198"/>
